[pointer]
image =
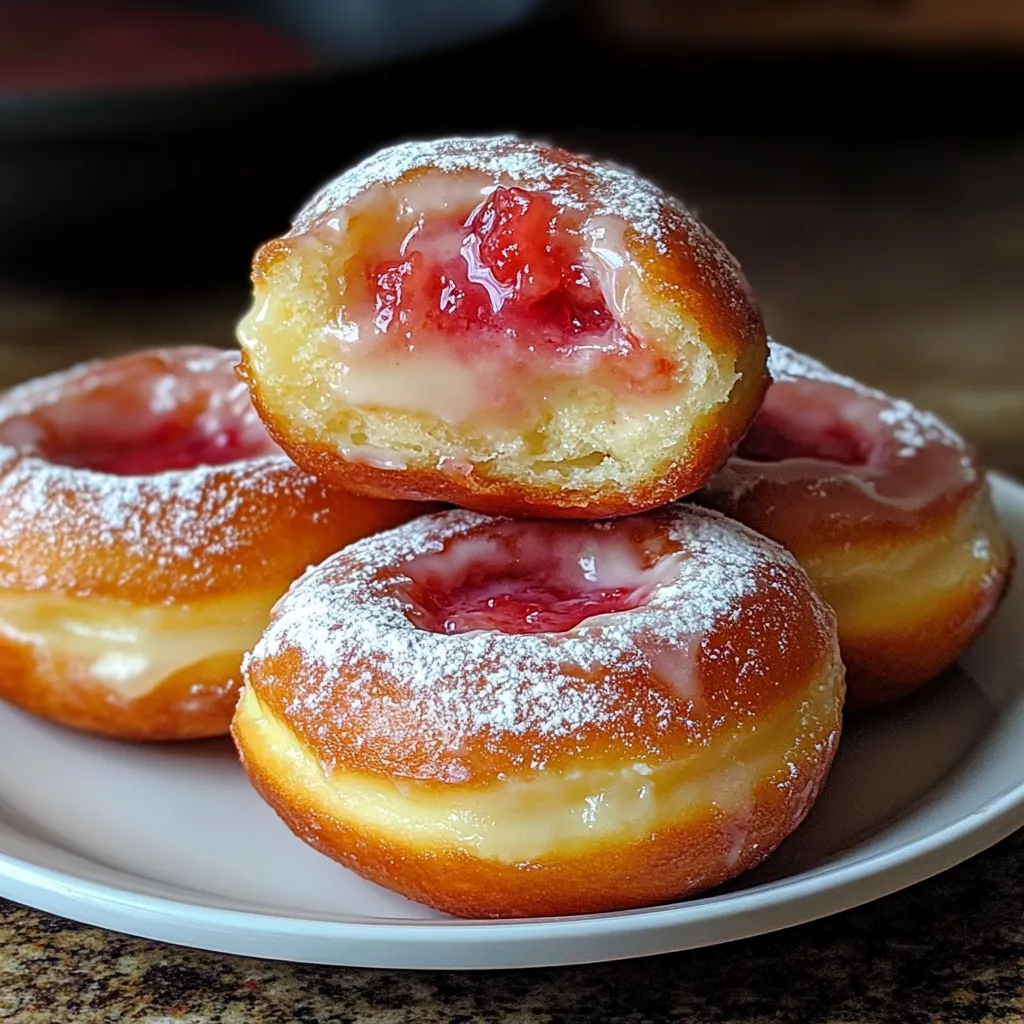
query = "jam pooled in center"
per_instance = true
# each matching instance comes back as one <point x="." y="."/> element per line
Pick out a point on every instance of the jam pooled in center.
<point x="518" y="606"/>
<point x="797" y="423"/>
<point x="168" y="448"/>
<point x="529" y="578"/>
<point x="146" y="413"/>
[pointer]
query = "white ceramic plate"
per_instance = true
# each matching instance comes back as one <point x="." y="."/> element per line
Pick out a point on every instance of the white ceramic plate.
<point x="170" y="843"/>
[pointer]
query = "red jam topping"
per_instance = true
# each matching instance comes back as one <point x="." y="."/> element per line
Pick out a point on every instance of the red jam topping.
<point x="529" y="578"/>
<point x="168" y="448"/>
<point x="513" y="269"/>
<point x="519" y="606"/>
<point x="139" y="414"/>
<point x="775" y="436"/>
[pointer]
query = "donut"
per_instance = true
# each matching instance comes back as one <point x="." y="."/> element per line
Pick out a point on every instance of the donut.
<point x="147" y="525"/>
<point x="503" y="326"/>
<point x="886" y="508"/>
<point x="509" y="718"/>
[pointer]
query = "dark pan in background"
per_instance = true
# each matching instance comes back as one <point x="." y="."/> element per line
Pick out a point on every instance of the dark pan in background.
<point x="182" y="175"/>
<point x="134" y="189"/>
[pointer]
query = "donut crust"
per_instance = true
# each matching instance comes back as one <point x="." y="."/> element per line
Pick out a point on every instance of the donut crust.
<point x="191" y="704"/>
<point x="672" y="863"/>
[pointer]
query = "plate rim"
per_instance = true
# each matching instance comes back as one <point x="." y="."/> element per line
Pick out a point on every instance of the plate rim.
<point x="470" y="944"/>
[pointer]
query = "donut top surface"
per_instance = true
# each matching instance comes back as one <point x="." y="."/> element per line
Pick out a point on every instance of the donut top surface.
<point x="859" y="459"/>
<point x="572" y="182"/>
<point x="912" y="428"/>
<point x="140" y="476"/>
<point x="138" y="416"/>
<point x="460" y="648"/>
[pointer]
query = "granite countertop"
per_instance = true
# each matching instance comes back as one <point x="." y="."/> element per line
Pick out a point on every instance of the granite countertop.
<point x="906" y="270"/>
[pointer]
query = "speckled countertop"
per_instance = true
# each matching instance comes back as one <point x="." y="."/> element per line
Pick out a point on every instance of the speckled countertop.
<point x="908" y="271"/>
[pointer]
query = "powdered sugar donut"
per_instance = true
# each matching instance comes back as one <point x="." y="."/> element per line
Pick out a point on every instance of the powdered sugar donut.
<point x="508" y="718"/>
<point x="147" y="525"/>
<point x="885" y="507"/>
<point x="505" y="326"/>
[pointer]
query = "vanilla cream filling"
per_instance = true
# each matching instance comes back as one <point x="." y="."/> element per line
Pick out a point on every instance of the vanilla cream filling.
<point x="131" y="649"/>
<point x="515" y="820"/>
<point x="425" y="381"/>
<point x="435" y="382"/>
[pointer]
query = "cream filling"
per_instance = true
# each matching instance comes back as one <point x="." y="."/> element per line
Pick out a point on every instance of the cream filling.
<point x="495" y="390"/>
<point x="426" y="381"/>
<point x="515" y="820"/>
<point x="130" y="649"/>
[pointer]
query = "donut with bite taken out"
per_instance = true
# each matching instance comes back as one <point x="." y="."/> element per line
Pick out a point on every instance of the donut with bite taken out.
<point x="504" y="326"/>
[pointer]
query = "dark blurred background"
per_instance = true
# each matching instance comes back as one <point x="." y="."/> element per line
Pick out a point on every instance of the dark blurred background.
<point x="864" y="159"/>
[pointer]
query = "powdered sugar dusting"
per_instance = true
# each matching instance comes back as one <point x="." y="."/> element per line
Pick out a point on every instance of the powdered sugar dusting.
<point x="348" y="619"/>
<point x="573" y="182"/>
<point x="62" y="519"/>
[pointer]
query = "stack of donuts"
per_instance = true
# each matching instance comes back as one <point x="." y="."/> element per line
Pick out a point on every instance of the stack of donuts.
<point x="530" y="577"/>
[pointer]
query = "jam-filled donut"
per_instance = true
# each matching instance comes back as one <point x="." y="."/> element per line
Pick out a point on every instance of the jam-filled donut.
<point x="888" y="511"/>
<point x="147" y="525"/>
<point x="502" y="717"/>
<point x="504" y="326"/>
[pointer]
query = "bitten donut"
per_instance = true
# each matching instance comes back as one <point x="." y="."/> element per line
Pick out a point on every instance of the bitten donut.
<point x="888" y="511"/>
<point x="504" y="326"/>
<point x="147" y="525"/>
<point x="507" y="718"/>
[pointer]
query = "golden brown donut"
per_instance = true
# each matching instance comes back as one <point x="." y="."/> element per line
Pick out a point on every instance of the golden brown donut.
<point x="506" y="718"/>
<point x="885" y="507"/>
<point x="504" y="326"/>
<point x="147" y="525"/>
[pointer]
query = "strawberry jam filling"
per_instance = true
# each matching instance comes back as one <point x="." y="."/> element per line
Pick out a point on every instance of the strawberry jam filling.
<point x="511" y="277"/>
<point x="141" y="414"/>
<point x="775" y="441"/>
<point x="793" y="424"/>
<point x="519" y="606"/>
<point x="168" y="448"/>
<point x="531" y="578"/>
